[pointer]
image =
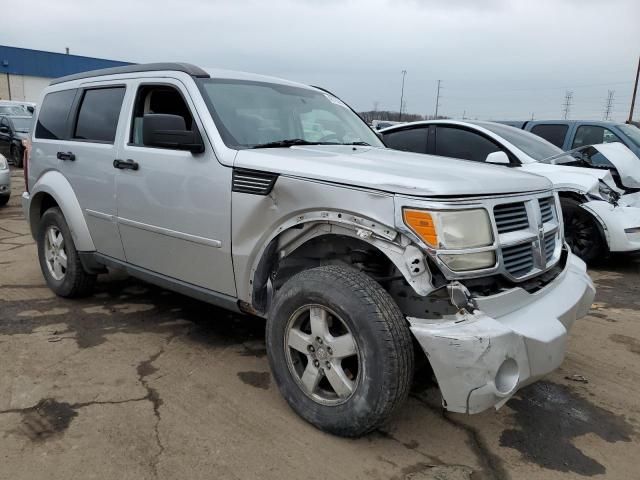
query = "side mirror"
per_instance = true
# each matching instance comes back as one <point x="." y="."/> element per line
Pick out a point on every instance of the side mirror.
<point x="4" y="129"/>
<point x="31" y="109"/>
<point x="498" y="158"/>
<point x="169" y="131"/>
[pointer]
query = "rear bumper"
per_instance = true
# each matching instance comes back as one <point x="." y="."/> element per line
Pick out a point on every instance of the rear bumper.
<point x="619" y="222"/>
<point x="480" y="360"/>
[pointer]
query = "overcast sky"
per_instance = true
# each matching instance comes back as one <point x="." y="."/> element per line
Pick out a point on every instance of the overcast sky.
<point x="497" y="59"/>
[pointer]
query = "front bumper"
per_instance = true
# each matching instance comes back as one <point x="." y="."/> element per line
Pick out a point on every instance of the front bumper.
<point x="5" y="182"/>
<point x="481" y="359"/>
<point x="616" y="220"/>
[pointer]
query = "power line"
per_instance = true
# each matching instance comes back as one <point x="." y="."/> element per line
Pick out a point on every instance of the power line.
<point x="566" y="106"/>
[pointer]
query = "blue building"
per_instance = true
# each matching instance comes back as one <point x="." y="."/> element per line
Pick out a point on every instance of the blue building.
<point x="24" y="73"/>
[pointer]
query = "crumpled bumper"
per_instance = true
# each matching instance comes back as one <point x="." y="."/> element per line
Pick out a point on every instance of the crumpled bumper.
<point x="621" y="223"/>
<point x="480" y="360"/>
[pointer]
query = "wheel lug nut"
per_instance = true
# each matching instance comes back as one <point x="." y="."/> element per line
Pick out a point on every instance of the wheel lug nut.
<point x="319" y="340"/>
<point x="321" y="371"/>
<point x="311" y="349"/>
<point x="328" y="365"/>
<point x="316" y="363"/>
<point x="329" y="350"/>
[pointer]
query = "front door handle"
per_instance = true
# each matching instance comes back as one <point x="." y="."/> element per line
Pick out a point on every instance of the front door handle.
<point x="126" y="164"/>
<point x="66" y="156"/>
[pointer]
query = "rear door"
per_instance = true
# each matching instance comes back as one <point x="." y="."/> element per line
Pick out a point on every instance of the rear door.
<point x="5" y="136"/>
<point x="86" y="159"/>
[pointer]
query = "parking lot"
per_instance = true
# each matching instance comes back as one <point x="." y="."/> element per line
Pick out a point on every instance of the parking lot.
<point x="136" y="382"/>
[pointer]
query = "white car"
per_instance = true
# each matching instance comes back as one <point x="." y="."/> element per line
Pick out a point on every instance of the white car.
<point x="600" y="203"/>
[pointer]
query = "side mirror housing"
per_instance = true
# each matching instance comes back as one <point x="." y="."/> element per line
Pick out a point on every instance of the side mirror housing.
<point x="4" y="129"/>
<point x="498" y="158"/>
<point x="169" y="131"/>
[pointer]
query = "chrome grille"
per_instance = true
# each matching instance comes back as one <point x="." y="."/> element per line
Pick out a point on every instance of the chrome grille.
<point x="518" y="259"/>
<point x="549" y="246"/>
<point x="511" y="217"/>
<point x="547" y="209"/>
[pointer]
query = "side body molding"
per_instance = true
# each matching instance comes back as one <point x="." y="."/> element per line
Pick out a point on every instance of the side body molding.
<point x="56" y="185"/>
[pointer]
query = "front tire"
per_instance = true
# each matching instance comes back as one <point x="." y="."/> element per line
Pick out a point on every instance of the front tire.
<point x="4" y="199"/>
<point x="340" y="350"/>
<point x="59" y="259"/>
<point x="582" y="232"/>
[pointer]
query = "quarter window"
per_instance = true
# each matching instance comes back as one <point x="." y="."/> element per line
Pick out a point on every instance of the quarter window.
<point x="52" y="119"/>
<point x="459" y="143"/>
<point x="554" y="134"/>
<point x="592" y="135"/>
<point x="98" y="114"/>
<point x="409" y="140"/>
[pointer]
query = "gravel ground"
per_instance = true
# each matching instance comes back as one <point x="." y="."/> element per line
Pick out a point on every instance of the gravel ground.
<point x="136" y="382"/>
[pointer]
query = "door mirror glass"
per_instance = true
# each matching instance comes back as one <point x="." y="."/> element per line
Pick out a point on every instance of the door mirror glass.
<point x="169" y="131"/>
<point x="499" y="158"/>
<point x="4" y="129"/>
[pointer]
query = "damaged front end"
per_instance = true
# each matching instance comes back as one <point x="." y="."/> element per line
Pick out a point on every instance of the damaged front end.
<point x="504" y="324"/>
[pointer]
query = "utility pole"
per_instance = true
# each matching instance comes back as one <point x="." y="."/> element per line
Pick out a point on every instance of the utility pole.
<point x="404" y="74"/>
<point x="532" y="115"/>
<point x="437" y="100"/>
<point x="464" y="115"/>
<point x="635" y="90"/>
<point x="566" y="106"/>
<point x="608" y="106"/>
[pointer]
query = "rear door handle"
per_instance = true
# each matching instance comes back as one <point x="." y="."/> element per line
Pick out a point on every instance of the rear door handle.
<point x="126" y="164"/>
<point x="66" y="156"/>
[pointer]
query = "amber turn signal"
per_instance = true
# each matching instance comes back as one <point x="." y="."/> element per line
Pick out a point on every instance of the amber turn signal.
<point x="422" y="224"/>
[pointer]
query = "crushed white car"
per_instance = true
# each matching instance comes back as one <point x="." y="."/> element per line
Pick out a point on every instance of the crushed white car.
<point x="598" y="185"/>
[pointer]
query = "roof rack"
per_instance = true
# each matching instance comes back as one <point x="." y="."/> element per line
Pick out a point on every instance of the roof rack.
<point x="144" y="67"/>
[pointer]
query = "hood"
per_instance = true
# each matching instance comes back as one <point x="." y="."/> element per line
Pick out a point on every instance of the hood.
<point x="625" y="161"/>
<point x="391" y="170"/>
<point x="582" y="179"/>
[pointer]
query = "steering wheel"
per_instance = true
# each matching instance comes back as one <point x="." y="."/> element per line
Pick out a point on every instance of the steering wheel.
<point x="326" y="138"/>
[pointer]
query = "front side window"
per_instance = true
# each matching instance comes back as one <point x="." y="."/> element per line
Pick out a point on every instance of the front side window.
<point x="157" y="99"/>
<point x="632" y="132"/>
<point x="98" y="115"/>
<point x="52" y="120"/>
<point x="251" y="114"/>
<point x="408" y="140"/>
<point x="532" y="145"/>
<point x="592" y="135"/>
<point x="554" y="134"/>
<point x="464" y="144"/>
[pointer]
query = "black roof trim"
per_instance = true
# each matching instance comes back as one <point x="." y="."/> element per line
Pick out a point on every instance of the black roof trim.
<point x="144" y="67"/>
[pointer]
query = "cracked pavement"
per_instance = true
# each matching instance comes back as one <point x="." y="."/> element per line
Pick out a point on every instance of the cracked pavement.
<point x="136" y="382"/>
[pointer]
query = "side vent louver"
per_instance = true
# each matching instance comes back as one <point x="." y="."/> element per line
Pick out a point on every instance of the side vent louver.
<point x="253" y="181"/>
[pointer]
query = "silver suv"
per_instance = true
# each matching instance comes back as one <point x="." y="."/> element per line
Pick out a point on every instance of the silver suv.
<point x="274" y="199"/>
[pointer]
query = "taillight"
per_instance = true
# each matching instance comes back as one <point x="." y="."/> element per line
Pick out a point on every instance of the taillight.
<point x="26" y="143"/>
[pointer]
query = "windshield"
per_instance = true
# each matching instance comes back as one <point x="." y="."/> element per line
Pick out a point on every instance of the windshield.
<point x="251" y="114"/>
<point x="13" y="110"/>
<point x="632" y="132"/>
<point x="535" y="147"/>
<point x="22" y="124"/>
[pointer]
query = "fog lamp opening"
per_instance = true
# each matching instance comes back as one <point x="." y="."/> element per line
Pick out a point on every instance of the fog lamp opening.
<point x="507" y="376"/>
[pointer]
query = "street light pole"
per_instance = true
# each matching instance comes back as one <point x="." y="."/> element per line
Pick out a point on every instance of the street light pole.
<point x="404" y="74"/>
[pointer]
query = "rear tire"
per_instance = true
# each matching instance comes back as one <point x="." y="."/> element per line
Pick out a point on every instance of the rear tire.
<point x="367" y="374"/>
<point x="582" y="232"/>
<point x="4" y="199"/>
<point x="59" y="259"/>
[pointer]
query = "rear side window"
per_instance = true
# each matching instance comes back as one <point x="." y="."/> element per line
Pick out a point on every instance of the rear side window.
<point x="52" y="120"/>
<point x="554" y="134"/>
<point x="459" y="143"/>
<point x="592" y="135"/>
<point x="98" y="115"/>
<point x="409" y="140"/>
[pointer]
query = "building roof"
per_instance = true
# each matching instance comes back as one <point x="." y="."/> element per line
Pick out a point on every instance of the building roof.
<point x="38" y="63"/>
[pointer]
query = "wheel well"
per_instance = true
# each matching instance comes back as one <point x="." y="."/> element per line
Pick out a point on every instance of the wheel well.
<point x="328" y="249"/>
<point x="40" y="204"/>
<point x="578" y="197"/>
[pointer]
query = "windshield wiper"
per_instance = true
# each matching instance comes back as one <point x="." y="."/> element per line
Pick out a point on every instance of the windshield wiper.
<point x="364" y="144"/>
<point x="288" y="143"/>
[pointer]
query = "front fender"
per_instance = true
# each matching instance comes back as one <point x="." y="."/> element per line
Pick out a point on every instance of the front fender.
<point x="54" y="184"/>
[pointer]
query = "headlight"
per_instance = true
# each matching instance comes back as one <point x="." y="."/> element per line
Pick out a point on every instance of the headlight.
<point x="454" y="230"/>
<point x="3" y="163"/>
<point x="607" y="193"/>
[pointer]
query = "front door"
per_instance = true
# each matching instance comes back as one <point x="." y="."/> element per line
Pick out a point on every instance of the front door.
<point x="174" y="207"/>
